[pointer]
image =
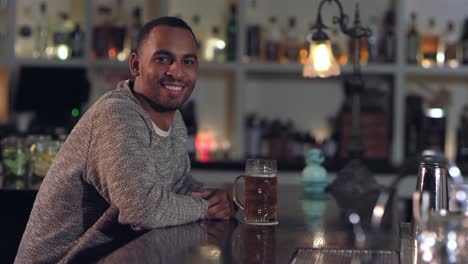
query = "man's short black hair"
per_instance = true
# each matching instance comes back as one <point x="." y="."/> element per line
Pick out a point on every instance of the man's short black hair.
<point x="169" y="21"/>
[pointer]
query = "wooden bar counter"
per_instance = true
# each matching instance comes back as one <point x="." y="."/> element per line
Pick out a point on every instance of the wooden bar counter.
<point x="312" y="228"/>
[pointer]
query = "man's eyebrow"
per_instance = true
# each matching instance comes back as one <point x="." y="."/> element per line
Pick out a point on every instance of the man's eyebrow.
<point x="168" y="53"/>
<point x="191" y="56"/>
<point x="163" y="52"/>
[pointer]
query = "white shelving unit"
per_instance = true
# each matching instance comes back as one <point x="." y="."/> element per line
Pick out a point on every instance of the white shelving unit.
<point x="235" y="79"/>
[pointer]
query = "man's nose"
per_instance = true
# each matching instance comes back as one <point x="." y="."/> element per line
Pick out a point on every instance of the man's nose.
<point x="175" y="70"/>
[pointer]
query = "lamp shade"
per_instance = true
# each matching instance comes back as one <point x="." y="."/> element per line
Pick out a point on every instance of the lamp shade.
<point x="321" y="62"/>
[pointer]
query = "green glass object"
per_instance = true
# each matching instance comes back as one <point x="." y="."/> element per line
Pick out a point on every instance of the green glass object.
<point x="314" y="175"/>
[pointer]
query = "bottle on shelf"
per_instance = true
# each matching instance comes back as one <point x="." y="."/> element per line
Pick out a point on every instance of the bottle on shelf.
<point x="77" y="42"/>
<point x="4" y="27"/>
<point x="412" y="36"/>
<point x="414" y="117"/>
<point x="42" y="33"/>
<point x="231" y="34"/>
<point x="253" y="38"/>
<point x="452" y="49"/>
<point x="198" y="34"/>
<point x="272" y="41"/>
<point x="464" y="42"/>
<point x="188" y="112"/>
<point x="108" y="37"/>
<point x="373" y="40"/>
<point x="253" y="136"/>
<point x="24" y="46"/>
<point x="429" y="46"/>
<point x="134" y="28"/>
<point x="462" y="137"/>
<point x="119" y="36"/>
<point x="291" y="43"/>
<point x="214" y="47"/>
<point x="388" y="41"/>
<point x="62" y="37"/>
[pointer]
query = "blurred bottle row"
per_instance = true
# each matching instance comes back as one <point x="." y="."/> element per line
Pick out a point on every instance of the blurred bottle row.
<point x="276" y="139"/>
<point x="428" y="47"/>
<point x="25" y="160"/>
<point x="40" y="35"/>
<point x="281" y="41"/>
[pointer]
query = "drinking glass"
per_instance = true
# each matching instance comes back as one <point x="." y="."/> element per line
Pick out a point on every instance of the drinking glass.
<point x="260" y="195"/>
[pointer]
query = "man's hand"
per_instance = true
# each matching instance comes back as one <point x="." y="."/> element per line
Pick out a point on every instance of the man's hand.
<point x="220" y="205"/>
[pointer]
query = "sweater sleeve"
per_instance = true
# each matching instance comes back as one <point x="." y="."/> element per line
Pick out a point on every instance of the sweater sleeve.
<point x="187" y="184"/>
<point x="122" y="170"/>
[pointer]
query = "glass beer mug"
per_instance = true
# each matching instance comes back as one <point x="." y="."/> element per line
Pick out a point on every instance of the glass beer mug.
<point x="260" y="193"/>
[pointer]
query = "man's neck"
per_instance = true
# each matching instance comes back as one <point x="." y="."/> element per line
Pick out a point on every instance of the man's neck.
<point x="162" y="119"/>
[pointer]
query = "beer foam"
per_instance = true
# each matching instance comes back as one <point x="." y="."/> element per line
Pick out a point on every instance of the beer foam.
<point x="270" y="175"/>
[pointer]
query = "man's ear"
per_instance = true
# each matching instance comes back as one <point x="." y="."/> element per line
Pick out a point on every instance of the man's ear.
<point x="134" y="64"/>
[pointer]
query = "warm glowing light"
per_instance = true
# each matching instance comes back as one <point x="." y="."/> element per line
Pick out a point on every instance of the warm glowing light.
<point x="205" y="143"/>
<point x="62" y="52"/>
<point x="321" y="58"/>
<point x="122" y="56"/>
<point x="220" y="44"/>
<point x="321" y="62"/>
<point x="112" y="52"/>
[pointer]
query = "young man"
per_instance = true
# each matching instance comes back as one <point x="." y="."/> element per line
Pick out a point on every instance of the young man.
<point x="125" y="162"/>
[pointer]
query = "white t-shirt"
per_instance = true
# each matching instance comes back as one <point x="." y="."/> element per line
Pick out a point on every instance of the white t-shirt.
<point x="161" y="132"/>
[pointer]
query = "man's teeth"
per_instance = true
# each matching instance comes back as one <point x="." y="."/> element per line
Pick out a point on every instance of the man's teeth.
<point x="173" y="88"/>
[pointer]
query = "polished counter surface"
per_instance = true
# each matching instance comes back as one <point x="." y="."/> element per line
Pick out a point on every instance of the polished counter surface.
<point x="312" y="228"/>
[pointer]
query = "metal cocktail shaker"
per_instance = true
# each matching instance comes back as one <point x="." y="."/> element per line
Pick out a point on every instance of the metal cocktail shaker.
<point x="432" y="177"/>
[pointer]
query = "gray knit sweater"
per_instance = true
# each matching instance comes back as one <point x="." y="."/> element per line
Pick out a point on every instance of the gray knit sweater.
<point x="113" y="170"/>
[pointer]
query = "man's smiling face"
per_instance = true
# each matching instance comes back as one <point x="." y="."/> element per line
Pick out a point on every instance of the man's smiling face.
<point x="168" y="67"/>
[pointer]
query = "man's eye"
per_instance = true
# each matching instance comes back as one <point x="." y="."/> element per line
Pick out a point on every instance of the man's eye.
<point x="189" y="61"/>
<point x="163" y="60"/>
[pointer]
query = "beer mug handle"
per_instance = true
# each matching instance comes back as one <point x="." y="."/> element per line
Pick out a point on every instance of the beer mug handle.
<point x="235" y="196"/>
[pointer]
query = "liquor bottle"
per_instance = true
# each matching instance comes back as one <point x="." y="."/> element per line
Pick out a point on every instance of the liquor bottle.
<point x="25" y="38"/>
<point x="413" y="41"/>
<point x="198" y="34"/>
<point x="62" y="37"/>
<point x="101" y="32"/>
<point x="42" y="32"/>
<point x="231" y="34"/>
<point x="464" y="42"/>
<point x="272" y="41"/>
<point x="134" y="28"/>
<point x="253" y="136"/>
<point x="388" y="42"/>
<point x="214" y="47"/>
<point x="119" y="34"/>
<point x="462" y="137"/>
<point x="452" y="52"/>
<point x="253" y="32"/>
<point x="77" y="42"/>
<point x="373" y="40"/>
<point x="291" y="45"/>
<point x="3" y="30"/>
<point x="413" y="125"/>
<point x="429" y="45"/>
<point x="188" y="112"/>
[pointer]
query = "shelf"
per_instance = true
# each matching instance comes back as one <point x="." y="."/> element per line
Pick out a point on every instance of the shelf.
<point x="438" y="71"/>
<point x="52" y="63"/>
<point x="278" y="68"/>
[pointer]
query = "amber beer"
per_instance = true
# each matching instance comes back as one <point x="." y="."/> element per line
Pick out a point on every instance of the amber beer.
<point x="260" y="199"/>
<point x="260" y="192"/>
